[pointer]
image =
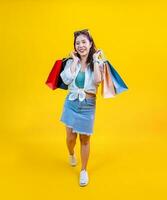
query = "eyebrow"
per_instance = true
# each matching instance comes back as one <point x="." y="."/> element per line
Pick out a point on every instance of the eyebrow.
<point x="82" y="40"/>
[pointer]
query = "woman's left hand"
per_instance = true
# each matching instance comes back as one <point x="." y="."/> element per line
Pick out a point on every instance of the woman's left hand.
<point x="96" y="54"/>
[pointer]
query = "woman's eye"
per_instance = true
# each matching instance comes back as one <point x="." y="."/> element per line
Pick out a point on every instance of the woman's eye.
<point x="82" y="42"/>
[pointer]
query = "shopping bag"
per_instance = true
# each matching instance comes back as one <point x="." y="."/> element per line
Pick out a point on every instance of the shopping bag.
<point x="112" y="83"/>
<point x="119" y="84"/>
<point x="54" y="79"/>
<point x="107" y="89"/>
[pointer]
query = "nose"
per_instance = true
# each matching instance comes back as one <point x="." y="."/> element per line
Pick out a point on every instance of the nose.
<point x="81" y="45"/>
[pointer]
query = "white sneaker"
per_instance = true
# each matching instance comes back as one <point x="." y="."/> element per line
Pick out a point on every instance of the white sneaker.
<point x="72" y="160"/>
<point x="84" y="179"/>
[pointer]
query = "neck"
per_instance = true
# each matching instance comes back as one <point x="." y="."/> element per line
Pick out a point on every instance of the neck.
<point x="83" y="59"/>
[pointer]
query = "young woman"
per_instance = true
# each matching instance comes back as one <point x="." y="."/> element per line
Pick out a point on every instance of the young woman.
<point x="83" y="74"/>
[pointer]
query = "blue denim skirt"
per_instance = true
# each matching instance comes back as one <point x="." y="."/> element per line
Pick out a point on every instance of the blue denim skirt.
<point x="79" y="115"/>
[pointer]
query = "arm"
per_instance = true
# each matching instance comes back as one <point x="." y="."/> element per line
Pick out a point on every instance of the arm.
<point x="98" y="67"/>
<point x="98" y="72"/>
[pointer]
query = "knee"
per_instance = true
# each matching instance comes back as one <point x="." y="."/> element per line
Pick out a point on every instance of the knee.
<point x="84" y="140"/>
<point x="71" y="139"/>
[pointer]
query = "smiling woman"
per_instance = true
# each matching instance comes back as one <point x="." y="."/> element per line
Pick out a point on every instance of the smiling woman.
<point x="82" y="74"/>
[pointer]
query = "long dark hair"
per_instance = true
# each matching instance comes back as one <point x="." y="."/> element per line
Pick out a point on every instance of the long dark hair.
<point x="92" y="49"/>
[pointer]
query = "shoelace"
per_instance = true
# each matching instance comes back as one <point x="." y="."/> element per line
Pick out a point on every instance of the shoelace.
<point x="72" y="159"/>
<point x="83" y="175"/>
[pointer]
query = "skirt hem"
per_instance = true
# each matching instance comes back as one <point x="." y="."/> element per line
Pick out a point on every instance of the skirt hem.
<point x="74" y="130"/>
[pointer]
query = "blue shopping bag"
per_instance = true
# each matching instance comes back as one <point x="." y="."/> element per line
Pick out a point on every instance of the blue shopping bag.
<point x="118" y="82"/>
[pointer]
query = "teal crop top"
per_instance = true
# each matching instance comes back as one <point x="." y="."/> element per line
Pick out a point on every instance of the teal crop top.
<point x="80" y="79"/>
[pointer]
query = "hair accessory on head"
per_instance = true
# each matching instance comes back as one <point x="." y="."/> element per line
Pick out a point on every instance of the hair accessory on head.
<point x="81" y="31"/>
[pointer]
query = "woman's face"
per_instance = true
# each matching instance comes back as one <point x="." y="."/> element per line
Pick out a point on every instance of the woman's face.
<point x="82" y="45"/>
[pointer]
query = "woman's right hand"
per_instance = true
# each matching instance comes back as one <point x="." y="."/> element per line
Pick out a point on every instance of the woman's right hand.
<point x="74" y="56"/>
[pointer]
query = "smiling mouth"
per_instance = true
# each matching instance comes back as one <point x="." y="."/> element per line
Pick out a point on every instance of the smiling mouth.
<point x="81" y="51"/>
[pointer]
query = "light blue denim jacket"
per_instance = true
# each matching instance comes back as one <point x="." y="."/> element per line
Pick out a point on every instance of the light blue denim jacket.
<point x="68" y="78"/>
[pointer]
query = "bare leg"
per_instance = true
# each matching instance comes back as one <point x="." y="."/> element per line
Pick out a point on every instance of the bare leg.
<point x="70" y="140"/>
<point x="85" y="150"/>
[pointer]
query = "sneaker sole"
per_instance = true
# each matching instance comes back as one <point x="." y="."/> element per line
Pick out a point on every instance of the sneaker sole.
<point x="73" y="165"/>
<point x="83" y="184"/>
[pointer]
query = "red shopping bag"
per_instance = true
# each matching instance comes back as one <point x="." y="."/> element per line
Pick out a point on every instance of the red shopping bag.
<point x="52" y="80"/>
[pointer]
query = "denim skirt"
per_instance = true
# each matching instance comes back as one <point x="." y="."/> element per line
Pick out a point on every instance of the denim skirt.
<point x="79" y="115"/>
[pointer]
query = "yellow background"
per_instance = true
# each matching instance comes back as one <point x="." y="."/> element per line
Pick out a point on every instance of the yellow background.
<point x="128" y="148"/>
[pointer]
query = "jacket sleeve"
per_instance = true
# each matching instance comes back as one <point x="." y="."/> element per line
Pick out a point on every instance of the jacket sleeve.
<point x="66" y="75"/>
<point x="101" y="68"/>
